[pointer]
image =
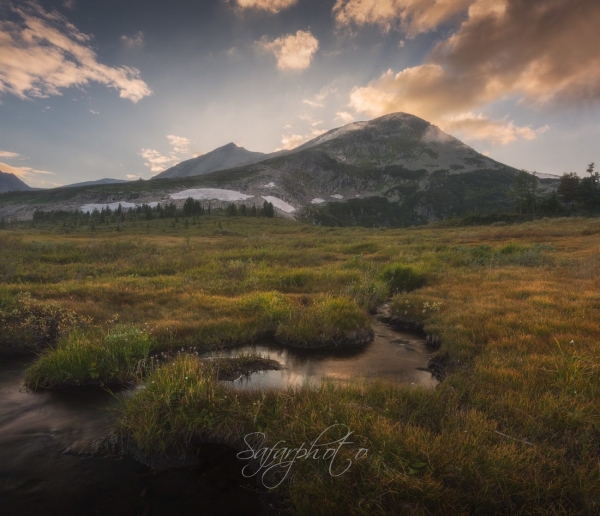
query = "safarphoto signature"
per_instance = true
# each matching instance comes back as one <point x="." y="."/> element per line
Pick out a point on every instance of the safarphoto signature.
<point x="265" y="461"/>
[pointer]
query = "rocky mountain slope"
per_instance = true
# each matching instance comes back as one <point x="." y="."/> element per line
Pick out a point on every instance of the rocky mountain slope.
<point x="11" y="183"/>
<point x="395" y="170"/>
<point x="225" y="157"/>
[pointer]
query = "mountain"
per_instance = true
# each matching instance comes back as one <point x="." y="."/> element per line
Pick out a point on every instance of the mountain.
<point x="228" y="156"/>
<point x="11" y="183"/>
<point x="105" y="181"/>
<point x="394" y="170"/>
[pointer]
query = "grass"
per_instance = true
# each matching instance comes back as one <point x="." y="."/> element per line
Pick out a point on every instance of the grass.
<point x="28" y="326"/>
<point x="120" y="356"/>
<point x="513" y="429"/>
<point x="327" y="321"/>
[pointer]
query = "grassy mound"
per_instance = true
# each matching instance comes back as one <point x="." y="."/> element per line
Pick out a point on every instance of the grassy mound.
<point x="326" y="322"/>
<point x="27" y="326"/>
<point x="118" y="357"/>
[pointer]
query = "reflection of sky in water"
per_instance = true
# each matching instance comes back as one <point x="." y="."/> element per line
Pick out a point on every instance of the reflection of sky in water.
<point x="392" y="354"/>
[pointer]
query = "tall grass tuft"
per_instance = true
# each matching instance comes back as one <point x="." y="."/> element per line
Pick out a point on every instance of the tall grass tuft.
<point x="119" y="356"/>
<point x="402" y="278"/>
<point x="327" y="321"/>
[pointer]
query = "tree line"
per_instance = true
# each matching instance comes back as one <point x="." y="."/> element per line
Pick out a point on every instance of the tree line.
<point x="574" y="195"/>
<point x="191" y="208"/>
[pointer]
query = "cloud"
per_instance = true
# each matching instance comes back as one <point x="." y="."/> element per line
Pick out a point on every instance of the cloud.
<point x="8" y="154"/>
<point x="180" y="144"/>
<point x="413" y="16"/>
<point x="542" y="53"/>
<point x="94" y="112"/>
<point x="156" y="161"/>
<point x="312" y="103"/>
<point x="293" y="51"/>
<point x="70" y="4"/>
<point x="345" y="117"/>
<point x="501" y="132"/>
<point x="135" y="42"/>
<point x="273" y="6"/>
<point x="41" y="53"/>
<point x="30" y="175"/>
<point x="292" y="141"/>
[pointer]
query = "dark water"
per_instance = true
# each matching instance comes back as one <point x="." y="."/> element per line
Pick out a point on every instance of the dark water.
<point x="38" y="478"/>
<point x="396" y="355"/>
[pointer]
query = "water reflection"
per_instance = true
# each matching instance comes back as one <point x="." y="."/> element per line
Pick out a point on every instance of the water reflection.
<point x="37" y="477"/>
<point x="394" y="355"/>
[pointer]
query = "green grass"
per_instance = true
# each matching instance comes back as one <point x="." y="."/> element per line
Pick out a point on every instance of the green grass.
<point x="326" y="321"/>
<point x="120" y="356"/>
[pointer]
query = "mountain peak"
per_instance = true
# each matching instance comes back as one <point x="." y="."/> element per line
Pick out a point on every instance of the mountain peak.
<point x="11" y="183"/>
<point x="221" y="158"/>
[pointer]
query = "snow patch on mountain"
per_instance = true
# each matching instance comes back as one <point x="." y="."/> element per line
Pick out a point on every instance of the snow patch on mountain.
<point x="278" y="203"/>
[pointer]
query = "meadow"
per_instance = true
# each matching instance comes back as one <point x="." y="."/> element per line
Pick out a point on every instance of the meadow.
<point x="513" y="428"/>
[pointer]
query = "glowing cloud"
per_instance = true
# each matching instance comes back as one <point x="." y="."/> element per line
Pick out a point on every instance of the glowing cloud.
<point x="8" y="154"/>
<point x="30" y="175"/>
<point x="293" y="51"/>
<point x="538" y="52"/>
<point x="42" y="54"/>
<point x="414" y="16"/>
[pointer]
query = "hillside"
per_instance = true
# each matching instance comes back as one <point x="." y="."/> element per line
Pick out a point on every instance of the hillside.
<point x="11" y="183"/>
<point x="228" y="156"/>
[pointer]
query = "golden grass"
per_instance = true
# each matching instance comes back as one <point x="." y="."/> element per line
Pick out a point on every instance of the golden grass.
<point x="513" y="429"/>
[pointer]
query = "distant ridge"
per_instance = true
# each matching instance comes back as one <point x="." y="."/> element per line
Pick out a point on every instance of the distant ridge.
<point x="11" y="183"/>
<point x="228" y="156"/>
<point x="105" y="181"/>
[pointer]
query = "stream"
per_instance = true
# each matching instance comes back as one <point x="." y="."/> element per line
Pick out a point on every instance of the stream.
<point x="43" y="470"/>
<point x="392" y="354"/>
<point x="41" y="473"/>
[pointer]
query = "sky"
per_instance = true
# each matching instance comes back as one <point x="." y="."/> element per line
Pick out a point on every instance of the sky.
<point x="124" y="89"/>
